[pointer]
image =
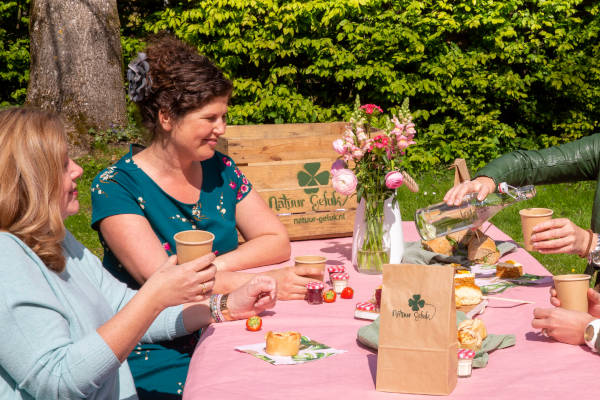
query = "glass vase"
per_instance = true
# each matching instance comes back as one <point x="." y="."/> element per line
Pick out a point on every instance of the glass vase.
<point x="377" y="237"/>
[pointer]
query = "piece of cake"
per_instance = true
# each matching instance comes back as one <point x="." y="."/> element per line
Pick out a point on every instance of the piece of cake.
<point x="509" y="269"/>
<point x="464" y="278"/>
<point x="467" y="294"/>
<point x="283" y="343"/>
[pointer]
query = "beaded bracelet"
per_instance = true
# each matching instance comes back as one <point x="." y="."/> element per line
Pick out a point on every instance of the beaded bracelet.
<point x="215" y="307"/>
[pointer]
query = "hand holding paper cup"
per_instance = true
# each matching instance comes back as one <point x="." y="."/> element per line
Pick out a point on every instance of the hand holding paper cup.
<point x="314" y="262"/>
<point x="192" y="244"/>
<point x="571" y="290"/>
<point x="531" y="217"/>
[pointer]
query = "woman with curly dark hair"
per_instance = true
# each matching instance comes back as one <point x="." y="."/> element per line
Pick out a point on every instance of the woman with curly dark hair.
<point x="180" y="182"/>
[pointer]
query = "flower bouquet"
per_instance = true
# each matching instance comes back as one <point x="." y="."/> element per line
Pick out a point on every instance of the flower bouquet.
<point x="371" y="152"/>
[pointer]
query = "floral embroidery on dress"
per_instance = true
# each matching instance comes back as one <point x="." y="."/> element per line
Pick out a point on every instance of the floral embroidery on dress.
<point x="180" y="218"/>
<point x="96" y="189"/>
<point x="141" y="202"/>
<point x="237" y="171"/>
<point x="166" y="246"/>
<point x="197" y="212"/>
<point x="243" y="190"/>
<point x="220" y="208"/>
<point x="227" y="161"/>
<point x="108" y="174"/>
<point x="232" y="185"/>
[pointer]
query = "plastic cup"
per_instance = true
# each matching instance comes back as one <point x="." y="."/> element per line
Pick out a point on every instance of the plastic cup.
<point x="192" y="244"/>
<point x="571" y="290"/>
<point x="530" y="217"/>
<point x="312" y="261"/>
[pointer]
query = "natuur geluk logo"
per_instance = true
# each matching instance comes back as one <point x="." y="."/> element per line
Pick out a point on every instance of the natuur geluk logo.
<point x="416" y="302"/>
<point x="419" y="309"/>
<point x="312" y="177"/>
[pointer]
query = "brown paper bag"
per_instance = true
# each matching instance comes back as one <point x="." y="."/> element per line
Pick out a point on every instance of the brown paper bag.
<point x="417" y="336"/>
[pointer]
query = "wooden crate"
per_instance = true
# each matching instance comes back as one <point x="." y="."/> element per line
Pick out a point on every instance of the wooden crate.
<point x="288" y="165"/>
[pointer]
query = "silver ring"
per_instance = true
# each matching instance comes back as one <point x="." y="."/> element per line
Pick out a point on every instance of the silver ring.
<point x="545" y="332"/>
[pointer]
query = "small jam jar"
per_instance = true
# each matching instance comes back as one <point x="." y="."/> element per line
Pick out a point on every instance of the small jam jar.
<point x="378" y="297"/>
<point x="339" y="280"/>
<point x="314" y="292"/>
<point x="465" y="361"/>
<point x="332" y="269"/>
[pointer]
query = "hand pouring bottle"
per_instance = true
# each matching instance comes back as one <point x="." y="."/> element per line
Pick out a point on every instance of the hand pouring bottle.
<point x="441" y="219"/>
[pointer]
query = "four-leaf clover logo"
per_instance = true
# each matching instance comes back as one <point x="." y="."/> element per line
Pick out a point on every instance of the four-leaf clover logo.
<point x="310" y="177"/>
<point x="416" y="302"/>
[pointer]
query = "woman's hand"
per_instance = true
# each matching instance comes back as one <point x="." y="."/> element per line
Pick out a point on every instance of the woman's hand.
<point x="593" y="301"/>
<point x="481" y="185"/>
<point x="173" y="284"/>
<point x="253" y="298"/>
<point x="559" y="235"/>
<point x="291" y="281"/>
<point x="563" y="325"/>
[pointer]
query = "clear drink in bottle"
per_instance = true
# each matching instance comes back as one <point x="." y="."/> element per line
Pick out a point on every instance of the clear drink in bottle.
<point x="441" y="219"/>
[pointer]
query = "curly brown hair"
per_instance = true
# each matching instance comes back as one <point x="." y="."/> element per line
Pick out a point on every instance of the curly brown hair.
<point x="33" y="150"/>
<point x="181" y="81"/>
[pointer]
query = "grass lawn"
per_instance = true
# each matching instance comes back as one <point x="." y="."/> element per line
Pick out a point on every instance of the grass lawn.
<point x="568" y="200"/>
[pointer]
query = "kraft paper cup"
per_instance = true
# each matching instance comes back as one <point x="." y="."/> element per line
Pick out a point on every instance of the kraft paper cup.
<point x="192" y="244"/>
<point x="571" y="290"/>
<point x="530" y="217"/>
<point x="312" y="261"/>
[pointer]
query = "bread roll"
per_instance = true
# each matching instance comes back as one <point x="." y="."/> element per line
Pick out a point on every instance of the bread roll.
<point x="471" y="333"/>
<point x="439" y="245"/>
<point x="283" y="343"/>
<point x="482" y="249"/>
<point x="467" y="294"/>
<point x="460" y="239"/>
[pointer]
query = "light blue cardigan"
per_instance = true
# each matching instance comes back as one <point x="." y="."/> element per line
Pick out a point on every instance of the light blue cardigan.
<point x="49" y="347"/>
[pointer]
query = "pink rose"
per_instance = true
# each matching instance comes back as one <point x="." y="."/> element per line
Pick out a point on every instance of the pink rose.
<point x="393" y="179"/>
<point x="338" y="146"/>
<point x="344" y="182"/>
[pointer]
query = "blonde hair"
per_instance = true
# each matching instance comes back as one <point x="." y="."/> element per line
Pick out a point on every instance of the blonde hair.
<point x="33" y="151"/>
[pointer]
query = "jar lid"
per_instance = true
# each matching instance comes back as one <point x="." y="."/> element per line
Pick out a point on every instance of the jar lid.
<point x="466" y="354"/>
<point x="315" y="285"/>
<point x="340" y="276"/>
<point x="365" y="306"/>
<point x="336" y="268"/>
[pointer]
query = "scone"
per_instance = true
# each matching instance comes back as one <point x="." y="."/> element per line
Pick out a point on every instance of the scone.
<point x="283" y="343"/>
<point x="467" y="294"/>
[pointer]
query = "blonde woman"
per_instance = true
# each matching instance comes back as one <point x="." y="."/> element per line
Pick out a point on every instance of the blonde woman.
<point x="66" y="324"/>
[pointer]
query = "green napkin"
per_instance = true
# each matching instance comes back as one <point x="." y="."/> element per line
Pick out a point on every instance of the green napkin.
<point x="414" y="253"/>
<point x="369" y="336"/>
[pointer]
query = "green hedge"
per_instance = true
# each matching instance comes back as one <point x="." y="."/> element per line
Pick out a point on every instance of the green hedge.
<point x="483" y="76"/>
<point x="14" y="52"/>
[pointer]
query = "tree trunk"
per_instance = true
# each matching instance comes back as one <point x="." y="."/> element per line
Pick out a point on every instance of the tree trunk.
<point x="76" y="65"/>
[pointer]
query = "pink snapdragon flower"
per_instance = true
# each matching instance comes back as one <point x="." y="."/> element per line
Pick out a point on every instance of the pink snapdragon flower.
<point x="393" y="179"/>
<point x="381" y="141"/>
<point x="344" y="182"/>
<point x="403" y="142"/>
<point x="369" y="108"/>
<point x="339" y="146"/>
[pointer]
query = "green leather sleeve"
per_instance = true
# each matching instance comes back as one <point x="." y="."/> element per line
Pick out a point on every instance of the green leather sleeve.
<point x="570" y="162"/>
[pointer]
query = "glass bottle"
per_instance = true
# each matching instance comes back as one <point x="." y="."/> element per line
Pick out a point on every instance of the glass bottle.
<point x="441" y="219"/>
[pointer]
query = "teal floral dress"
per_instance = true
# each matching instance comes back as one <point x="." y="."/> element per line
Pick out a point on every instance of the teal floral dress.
<point x="159" y="370"/>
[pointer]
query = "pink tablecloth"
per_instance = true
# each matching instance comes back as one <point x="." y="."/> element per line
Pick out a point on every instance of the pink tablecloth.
<point x="536" y="367"/>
